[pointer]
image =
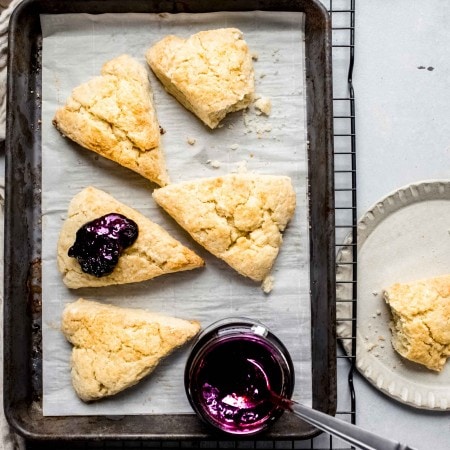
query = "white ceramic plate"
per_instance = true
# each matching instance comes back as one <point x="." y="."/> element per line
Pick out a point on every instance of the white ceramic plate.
<point x="403" y="237"/>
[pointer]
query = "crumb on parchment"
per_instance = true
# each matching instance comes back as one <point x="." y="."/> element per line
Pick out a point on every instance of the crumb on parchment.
<point x="241" y="167"/>
<point x="267" y="284"/>
<point x="263" y="105"/>
<point x="213" y="163"/>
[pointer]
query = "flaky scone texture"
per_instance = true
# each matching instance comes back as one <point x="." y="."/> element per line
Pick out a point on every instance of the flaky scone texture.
<point x="114" y="347"/>
<point x="421" y="317"/>
<point x="153" y="253"/>
<point x="238" y="218"/>
<point x="113" y="115"/>
<point x="210" y="73"/>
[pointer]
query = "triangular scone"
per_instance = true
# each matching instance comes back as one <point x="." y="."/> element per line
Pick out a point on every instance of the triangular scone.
<point x="210" y="73"/>
<point x="238" y="218"/>
<point x="153" y="253"/>
<point x="114" y="348"/>
<point x="113" y="115"/>
<point x="421" y="317"/>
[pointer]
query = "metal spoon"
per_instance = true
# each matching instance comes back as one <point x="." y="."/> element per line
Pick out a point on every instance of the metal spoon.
<point x="350" y="433"/>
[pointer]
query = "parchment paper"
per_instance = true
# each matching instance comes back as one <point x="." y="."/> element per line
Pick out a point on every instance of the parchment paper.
<point x="74" y="48"/>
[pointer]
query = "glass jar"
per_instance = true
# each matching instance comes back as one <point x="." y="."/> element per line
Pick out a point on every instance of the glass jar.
<point x="234" y="368"/>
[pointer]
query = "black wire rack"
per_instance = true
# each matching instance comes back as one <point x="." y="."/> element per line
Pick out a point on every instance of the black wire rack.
<point x="342" y="13"/>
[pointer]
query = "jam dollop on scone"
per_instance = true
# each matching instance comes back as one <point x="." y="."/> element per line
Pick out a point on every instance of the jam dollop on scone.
<point x="113" y="115"/>
<point x="210" y="73"/>
<point x="100" y="242"/>
<point x="151" y="253"/>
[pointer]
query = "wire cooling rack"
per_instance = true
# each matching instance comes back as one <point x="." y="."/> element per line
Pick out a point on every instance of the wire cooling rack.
<point x="342" y="13"/>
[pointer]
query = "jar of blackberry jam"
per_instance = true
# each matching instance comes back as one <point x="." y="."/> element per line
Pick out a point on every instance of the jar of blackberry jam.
<point x="231" y="364"/>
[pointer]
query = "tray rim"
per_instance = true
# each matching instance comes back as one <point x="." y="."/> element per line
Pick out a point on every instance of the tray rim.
<point x="24" y="415"/>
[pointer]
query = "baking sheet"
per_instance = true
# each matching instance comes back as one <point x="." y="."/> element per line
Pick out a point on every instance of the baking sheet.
<point x="404" y="237"/>
<point x="74" y="48"/>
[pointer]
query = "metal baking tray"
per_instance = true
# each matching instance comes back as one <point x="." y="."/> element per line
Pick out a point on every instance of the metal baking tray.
<point x="22" y="279"/>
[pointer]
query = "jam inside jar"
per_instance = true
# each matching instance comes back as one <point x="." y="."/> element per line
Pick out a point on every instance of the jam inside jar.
<point x="231" y="368"/>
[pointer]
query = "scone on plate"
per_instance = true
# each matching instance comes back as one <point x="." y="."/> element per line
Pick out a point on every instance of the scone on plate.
<point x="210" y="73"/>
<point x="421" y="317"/>
<point x="114" y="347"/>
<point x="154" y="252"/>
<point x="238" y="218"/>
<point x="113" y="115"/>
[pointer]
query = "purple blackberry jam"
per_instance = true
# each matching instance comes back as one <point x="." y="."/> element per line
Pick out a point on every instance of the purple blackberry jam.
<point x="231" y="376"/>
<point x="99" y="243"/>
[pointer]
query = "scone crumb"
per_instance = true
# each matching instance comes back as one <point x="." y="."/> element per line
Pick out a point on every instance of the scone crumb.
<point x="234" y="146"/>
<point x="371" y="346"/>
<point x="241" y="167"/>
<point x="267" y="284"/>
<point x="191" y="141"/>
<point x="255" y="56"/>
<point x="263" y="105"/>
<point x="260" y="131"/>
<point x="215" y="164"/>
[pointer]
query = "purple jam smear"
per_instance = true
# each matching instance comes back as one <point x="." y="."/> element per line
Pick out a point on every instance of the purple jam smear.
<point x="99" y="243"/>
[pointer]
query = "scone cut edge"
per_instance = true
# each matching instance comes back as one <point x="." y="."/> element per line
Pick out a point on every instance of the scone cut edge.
<point x="239" y="218"/>
<point x="210" y="73"/>
<point x="420" y="320"/>
<point x="154" y="252"/>
<point x="114" y="347"/>
<point x="113" y="115"/>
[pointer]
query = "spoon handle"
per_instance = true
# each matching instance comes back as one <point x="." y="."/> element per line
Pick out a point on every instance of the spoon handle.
<point x="350" y="433"/>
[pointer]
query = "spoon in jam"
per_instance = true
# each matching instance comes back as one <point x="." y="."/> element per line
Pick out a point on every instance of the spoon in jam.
<point x="262" y="392"/>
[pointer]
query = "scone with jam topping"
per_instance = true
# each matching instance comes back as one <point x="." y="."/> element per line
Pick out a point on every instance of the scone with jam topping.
<point x="153" y="253"/>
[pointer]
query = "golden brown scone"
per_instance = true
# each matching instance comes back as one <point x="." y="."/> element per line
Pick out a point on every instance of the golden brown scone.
<point x="153" y="253"/>
<point x="114" y="348"/>
<point x="210" y="73"/>
<point x="421" y="318"/>
<point x="113" y="115"/>
<point x="238" y="218"/>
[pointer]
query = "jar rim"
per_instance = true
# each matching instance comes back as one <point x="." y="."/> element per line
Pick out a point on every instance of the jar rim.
<point x="233" y="329"/>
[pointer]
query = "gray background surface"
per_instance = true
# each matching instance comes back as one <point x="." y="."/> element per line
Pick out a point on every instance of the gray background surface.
<point x="403" y="136"/>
